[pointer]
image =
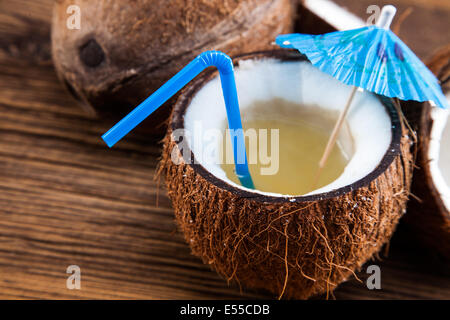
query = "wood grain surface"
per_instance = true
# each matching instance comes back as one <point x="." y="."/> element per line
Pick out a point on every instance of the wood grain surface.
<point x="66" y="199"/>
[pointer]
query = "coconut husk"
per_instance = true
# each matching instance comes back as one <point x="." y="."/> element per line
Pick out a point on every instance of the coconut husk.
<point x="427" y="215"/>
<point x="125" y="50"/>
<point x="293" y="247"/>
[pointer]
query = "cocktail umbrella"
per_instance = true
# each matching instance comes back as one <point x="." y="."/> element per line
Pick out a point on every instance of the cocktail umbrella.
<point x="207" y="59"/>
<point x="371" y="58"/>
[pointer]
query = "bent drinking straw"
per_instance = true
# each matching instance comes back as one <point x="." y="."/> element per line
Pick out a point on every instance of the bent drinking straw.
<point x="207" y="59"/>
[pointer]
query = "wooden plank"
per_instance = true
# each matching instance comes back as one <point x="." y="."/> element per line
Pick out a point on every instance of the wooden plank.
<point x="66" y="199"/>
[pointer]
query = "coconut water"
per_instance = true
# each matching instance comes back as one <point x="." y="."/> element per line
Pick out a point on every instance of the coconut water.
<point x="303" y="133"/>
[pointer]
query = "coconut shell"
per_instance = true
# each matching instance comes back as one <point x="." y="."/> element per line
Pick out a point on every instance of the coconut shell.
<point x="293" y="247"/>
<point x="125" y="50"/>
<point x="427" y="215"/>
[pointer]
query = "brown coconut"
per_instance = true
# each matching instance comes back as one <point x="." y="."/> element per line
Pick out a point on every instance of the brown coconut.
<point x="427" y="214"/>
<point x="293" y="247"/>
<point x="127" y="49"/>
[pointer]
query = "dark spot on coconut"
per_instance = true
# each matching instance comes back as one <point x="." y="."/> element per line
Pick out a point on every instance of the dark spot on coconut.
<point x="91" y="53"/>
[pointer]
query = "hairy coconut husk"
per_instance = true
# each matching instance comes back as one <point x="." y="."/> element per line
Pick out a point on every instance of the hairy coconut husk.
<point x="294" y="247"/>
<point x="427" y="214"/>
<point x="127" y="49"/>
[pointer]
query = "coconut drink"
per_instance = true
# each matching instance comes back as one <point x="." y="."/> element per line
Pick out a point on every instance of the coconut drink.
<point x="292" y="244"/>
<point x="286" y="141"/>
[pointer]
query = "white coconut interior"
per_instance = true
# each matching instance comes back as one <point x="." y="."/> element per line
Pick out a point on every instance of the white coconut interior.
<point x="439" y="153"/>
<point x="297" y="82"/>
<point x="334" y="14"/>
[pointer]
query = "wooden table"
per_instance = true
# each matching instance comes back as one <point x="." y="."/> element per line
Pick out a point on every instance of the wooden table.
<point x="66" y="199"/>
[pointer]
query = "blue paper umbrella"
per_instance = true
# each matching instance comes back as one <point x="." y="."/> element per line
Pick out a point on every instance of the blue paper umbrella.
<point x="372" y="58"/>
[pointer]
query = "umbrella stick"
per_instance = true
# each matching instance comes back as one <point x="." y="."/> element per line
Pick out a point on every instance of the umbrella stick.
<point x="403" y="120"/>
<point x="334" y="135"/>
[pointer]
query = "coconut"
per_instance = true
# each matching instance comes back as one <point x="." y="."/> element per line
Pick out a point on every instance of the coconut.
<point x="294" y="246"/>
<point x="124" y="50"/>
<point x="429" y="213"/>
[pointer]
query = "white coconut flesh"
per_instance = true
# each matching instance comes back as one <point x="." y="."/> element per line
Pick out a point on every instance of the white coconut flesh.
<point x="334" y="14"/>
<point x="301" y="83"/>
<point x="439" y="153"/>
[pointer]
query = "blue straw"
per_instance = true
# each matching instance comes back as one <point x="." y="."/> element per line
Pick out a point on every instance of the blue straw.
<point x="207" y="59"/>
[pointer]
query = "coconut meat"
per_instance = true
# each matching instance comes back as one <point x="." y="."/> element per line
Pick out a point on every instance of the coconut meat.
<point x="301" y="83"/>
<point x="439" y="153"/>
<point x="334" y="14"/>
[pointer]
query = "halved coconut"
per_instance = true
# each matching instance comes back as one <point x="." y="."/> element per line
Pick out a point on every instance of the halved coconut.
<point x="292" y="245"/>
<point x="430" y="213"/>
<point x="123" y="50"/>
